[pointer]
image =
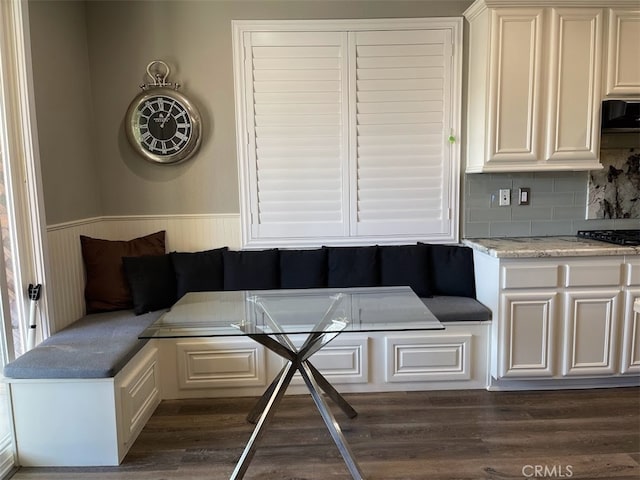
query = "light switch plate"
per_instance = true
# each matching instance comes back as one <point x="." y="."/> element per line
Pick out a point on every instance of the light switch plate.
<point x="524" y="196"/>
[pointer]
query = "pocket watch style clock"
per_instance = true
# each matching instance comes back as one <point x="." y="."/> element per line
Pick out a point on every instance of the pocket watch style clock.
<point x="162" y="124"/>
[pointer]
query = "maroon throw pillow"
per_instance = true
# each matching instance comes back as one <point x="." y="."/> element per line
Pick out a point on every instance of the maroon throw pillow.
<point x="106" y="288"/>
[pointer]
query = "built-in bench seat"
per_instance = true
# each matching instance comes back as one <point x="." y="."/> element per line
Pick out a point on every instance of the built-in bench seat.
<point x="96" y="380"/>
<point x="98" y="345"/>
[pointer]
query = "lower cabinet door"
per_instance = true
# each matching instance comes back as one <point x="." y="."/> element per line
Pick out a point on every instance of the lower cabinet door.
<point x="631" y="335"/>
<point x="590" y="330"/>
<point x="526" y="336"/>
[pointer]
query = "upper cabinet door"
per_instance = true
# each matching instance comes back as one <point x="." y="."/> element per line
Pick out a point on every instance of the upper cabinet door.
<point x="623" y="53"/>
<point x="573" y="101"/>
<point x="515" y="85"/>
<point x="540" y="70"/>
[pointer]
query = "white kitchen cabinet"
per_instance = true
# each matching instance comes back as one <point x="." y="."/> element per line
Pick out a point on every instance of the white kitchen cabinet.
<point x="561" y="319"/>
<point x="528" y="334"/>
<point x="534" y="88"/>
<point x="589" y="331"/>
<point x="623" y="52"/>
<point x="631" y="334"/>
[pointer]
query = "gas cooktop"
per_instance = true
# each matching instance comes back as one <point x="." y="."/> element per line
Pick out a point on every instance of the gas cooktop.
<point x="619" y="237"/>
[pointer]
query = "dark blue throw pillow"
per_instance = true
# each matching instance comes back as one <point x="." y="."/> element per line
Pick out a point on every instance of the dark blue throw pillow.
<point x="198" y="271"/>
<point x="251" y="269"/>
<point x="406" y="265"/>
<point x="152" y="282"/>
<point x="352" y="267"/>
<point x="452" y="269"/>
<point x="303" y="268"/>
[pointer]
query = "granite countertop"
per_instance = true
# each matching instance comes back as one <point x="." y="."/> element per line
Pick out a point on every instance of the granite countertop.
<point x="534" y="247"/>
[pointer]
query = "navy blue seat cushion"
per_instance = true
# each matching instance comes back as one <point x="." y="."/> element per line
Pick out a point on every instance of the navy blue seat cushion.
<point x="251" y="269"/>
<point x="452" y="270"/>
<point x="152" y="282"/>
<point x="303" y="268"/>
<point x="406" y="265"/>
<point x="352" y="267"/>
<point x="96" y="346"/>
<point x="198" y="271"/>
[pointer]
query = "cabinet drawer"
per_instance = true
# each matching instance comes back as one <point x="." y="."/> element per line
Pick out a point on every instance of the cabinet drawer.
<point x="530" y="276"/>
<point x="633" y="274"/>
<point x="593" y="274"/>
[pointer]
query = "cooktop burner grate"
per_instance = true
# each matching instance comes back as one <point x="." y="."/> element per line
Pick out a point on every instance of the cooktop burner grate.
<point x="619" y="237"/>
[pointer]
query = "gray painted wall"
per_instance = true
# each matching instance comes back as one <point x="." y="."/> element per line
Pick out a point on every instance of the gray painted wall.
<point x="90" y="57"/>
<point x="122" y="37"/>
<point x="64" y="110"/>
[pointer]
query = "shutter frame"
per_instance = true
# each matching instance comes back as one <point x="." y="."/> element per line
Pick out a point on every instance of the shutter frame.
<point x="440" y="228"/>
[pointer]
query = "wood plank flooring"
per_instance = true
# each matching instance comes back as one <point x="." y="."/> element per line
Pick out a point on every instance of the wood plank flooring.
<point x="440" y="435"/>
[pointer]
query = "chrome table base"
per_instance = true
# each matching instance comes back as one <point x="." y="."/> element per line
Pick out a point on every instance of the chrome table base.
<point x="297" y="361"/>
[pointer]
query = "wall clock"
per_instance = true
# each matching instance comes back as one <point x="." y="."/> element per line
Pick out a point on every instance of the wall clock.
<point x="162" y="124"/>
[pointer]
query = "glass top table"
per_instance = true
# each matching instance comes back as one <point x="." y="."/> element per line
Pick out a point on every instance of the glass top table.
<point x="270" y="316"/>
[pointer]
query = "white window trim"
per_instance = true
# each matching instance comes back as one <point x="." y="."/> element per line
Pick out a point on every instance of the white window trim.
<point x="23" y="176"/>
<point x="239" y="27"/>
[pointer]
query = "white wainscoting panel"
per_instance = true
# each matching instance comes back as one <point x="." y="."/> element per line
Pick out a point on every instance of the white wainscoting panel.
<point x="415" y="358"/>
<point x="187" y="233"/>
<point x="65" y="288"/>
<point x="221" y="362"/>
<point x="138" y="397"/>
<point x="343" y="361"/>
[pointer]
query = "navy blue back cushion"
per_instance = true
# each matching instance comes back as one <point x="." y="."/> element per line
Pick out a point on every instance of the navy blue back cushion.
<point x="303" y="268"/>
<point x="406" y="265"/>
<point x="352" y="267"/>
<point x="152" y="282"/>
<point x="251" y="269"/>
<point x="452" y="268"/>
<point x="198" y="271"/>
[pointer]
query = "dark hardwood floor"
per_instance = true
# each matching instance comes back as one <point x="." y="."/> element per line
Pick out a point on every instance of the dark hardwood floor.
<point x="441" y="435"/>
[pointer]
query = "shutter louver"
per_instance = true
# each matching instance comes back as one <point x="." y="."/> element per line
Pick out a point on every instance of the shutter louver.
<point x="402" y="92"/>
<point x="299" y="112"/>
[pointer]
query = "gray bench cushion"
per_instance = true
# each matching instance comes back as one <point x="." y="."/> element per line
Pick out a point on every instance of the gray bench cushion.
<point x="96" y="346"/>
<point x="454" y="309"/>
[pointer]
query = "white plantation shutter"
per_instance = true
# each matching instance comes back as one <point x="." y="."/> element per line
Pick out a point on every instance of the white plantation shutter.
<point x="402" y="101"/>
<point x="298" y="97"/>
<point x="343" y="130"/>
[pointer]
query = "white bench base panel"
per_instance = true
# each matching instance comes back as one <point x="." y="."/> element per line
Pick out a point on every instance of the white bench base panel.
<point x="78" y="422"/>
<point x="455" y="358"/>
<point x="94" y="422"/>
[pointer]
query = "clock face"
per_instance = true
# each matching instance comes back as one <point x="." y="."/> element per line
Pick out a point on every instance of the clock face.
<point x="163" y="126"/>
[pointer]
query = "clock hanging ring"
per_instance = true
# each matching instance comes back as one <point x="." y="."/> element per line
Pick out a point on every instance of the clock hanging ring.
<point x="162" y="124"/>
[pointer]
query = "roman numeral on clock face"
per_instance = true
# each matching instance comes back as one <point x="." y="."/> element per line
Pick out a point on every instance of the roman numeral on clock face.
<point x="164" y="125"/>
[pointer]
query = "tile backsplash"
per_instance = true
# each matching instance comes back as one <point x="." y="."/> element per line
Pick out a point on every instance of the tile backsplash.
<point x="558" y="206"/>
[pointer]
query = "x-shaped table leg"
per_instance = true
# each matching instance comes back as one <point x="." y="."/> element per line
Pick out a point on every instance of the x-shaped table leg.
<point x="267" y="405"/>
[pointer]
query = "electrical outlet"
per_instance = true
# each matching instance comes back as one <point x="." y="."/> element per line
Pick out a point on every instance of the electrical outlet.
<point x="504" y="197"/>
